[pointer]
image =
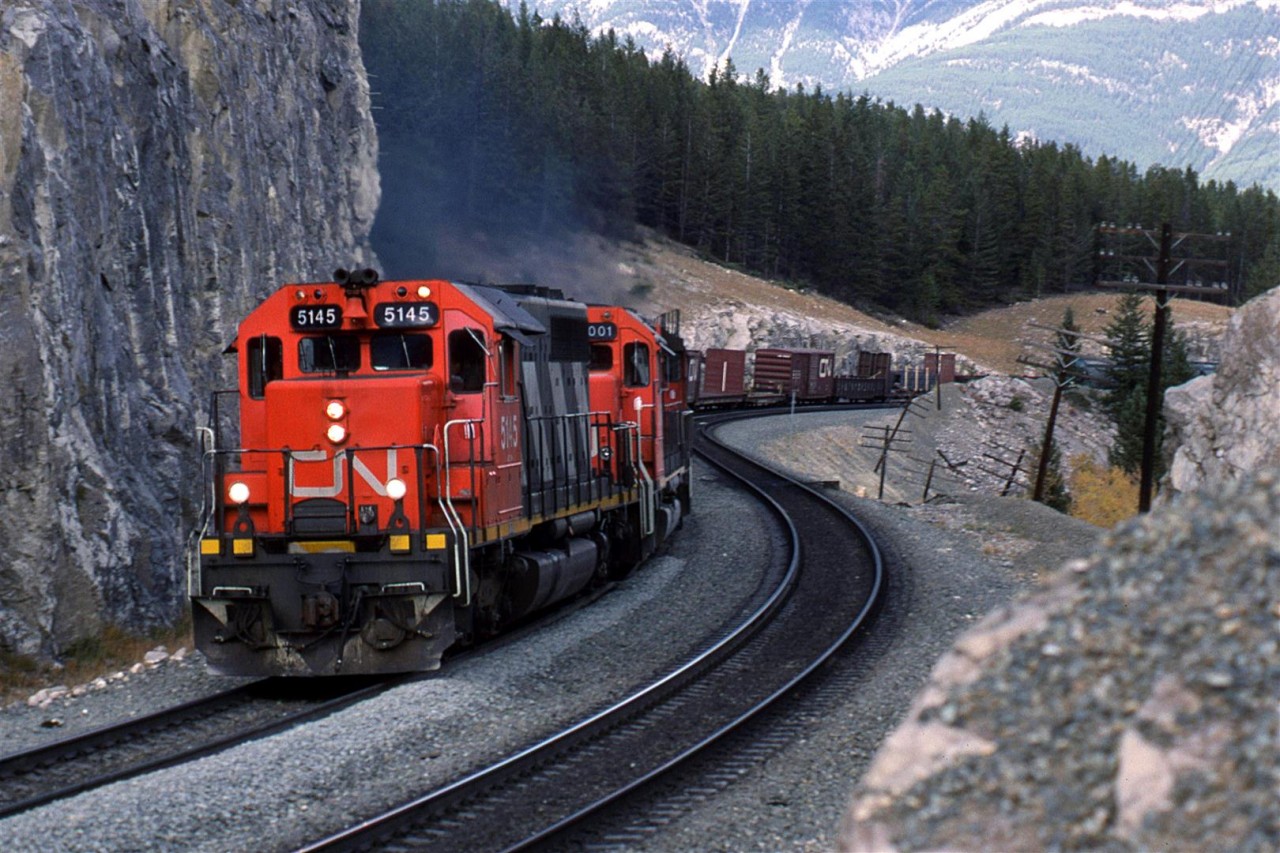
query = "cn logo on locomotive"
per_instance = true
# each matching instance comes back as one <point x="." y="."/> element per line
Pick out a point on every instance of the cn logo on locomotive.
<point x="339" y="467"/>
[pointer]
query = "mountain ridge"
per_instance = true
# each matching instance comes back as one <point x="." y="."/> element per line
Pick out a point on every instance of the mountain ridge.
<point x="1150" y="81"/>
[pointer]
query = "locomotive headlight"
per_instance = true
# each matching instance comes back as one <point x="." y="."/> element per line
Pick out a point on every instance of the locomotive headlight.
<point x="335" y="410"/>
<point x="396" y="488"/>
<point x="337" y="433"/>
<point x="423" y="291"/>
<point x="238" y="493"/>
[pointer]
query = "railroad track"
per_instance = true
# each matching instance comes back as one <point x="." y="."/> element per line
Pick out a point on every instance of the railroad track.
<point x="170" y="736"/>
<point x="535" y="796"/>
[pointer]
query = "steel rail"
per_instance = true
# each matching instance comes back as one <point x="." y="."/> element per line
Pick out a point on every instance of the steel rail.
<point x="386" y="824"/>
<point x="415" y="814"/>
<point x="132" y="733"/>
<point x="868" y="608"/>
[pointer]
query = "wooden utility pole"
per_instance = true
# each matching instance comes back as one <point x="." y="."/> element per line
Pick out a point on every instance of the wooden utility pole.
<point x="1063" y="369"/>
<point x="1046" y="447"/>
<point x="893" y="440"/>
<point x="1194" y="283"/>
<point x="1154" y="397"/>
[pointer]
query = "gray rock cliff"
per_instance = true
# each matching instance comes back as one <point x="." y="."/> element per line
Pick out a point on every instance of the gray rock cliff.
<point x="163" y="164"/>
<point x="1225" y="425"/>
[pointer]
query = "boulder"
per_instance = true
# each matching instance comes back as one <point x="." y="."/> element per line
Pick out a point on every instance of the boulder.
<point x="1223" y="426"/>
<point x="1130" y="704"/>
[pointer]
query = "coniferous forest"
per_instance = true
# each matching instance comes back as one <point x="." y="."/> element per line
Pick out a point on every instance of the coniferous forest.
<point x="522" y="126"/>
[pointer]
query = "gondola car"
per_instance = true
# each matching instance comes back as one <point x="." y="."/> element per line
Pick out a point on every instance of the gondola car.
<point x="420" y="463"/>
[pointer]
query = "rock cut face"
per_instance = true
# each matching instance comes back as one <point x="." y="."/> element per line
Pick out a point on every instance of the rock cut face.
<point x="1227" y="425"/>
<point x="162" y="166"/>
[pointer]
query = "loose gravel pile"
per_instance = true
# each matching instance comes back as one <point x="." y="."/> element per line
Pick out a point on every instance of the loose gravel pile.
<point x="1132" y="705"/>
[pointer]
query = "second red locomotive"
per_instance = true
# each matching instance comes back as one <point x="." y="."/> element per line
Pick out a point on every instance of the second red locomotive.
<point x="422" y="462"/>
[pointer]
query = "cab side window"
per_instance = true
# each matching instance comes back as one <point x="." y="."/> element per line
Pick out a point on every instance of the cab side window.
<point x="636" y="365"/>
<point x="266" y="364"/>
<point x="466" y="361"/>
<point x="671" y="367"/>
<point x="507" y="366"/>
<point x="601" y="357"/>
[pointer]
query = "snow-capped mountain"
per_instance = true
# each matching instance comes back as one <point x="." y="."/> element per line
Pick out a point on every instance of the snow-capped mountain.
<point x="1171" y="82"/>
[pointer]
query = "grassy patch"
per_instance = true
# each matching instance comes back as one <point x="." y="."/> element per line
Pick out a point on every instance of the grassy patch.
<point x="85" y="659"/>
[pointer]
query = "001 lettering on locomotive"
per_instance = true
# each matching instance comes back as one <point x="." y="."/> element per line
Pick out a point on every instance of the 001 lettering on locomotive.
<point x="420" y="463"/>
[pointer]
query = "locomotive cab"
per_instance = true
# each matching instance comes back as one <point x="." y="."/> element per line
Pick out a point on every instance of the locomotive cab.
<point x="638" y="377"/>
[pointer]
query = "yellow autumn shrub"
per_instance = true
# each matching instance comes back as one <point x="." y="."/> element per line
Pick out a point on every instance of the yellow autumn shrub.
<point x="1100" y="494"/>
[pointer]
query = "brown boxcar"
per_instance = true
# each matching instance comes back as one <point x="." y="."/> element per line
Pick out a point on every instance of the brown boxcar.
<point x="809" y="374"/>
<point x="874" y="379"/>
<point x="724" y="375"/>
<point x="948" y="372"/>
<point x="872" y="364"/>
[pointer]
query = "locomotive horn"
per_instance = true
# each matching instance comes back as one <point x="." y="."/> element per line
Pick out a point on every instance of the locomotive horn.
<point x="341" y="276"/>
<point x="367" y="276"/>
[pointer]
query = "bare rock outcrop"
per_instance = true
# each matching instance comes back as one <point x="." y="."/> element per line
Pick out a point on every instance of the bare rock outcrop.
<point x="1226" y="425"/>
<point x="737" y="324"/>
<point x="163" y="164"/>
<point x="984" y="425"/>
<point x="1131" y="704"/>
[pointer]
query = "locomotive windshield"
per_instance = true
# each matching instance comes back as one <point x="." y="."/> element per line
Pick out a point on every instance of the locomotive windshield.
<point x="329" y="353"/>
<point x="400" y="352"/>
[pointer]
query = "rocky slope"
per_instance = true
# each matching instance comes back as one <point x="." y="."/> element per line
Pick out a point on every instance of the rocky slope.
<point x="1132" y="702"/>
<point x="162" y="165"/>
<point x="1223" y="426"/>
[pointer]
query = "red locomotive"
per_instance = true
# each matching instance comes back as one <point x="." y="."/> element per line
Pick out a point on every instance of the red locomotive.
<point x="424" y="462"/>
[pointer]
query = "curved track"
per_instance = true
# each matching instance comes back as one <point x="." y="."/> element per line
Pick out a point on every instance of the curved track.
<point x="831" y="587"/>
<point x="169" y="736"/>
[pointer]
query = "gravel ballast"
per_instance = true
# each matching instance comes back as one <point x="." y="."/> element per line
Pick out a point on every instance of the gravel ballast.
<point x="949" y="565"/>
<point x="285" y="790"/>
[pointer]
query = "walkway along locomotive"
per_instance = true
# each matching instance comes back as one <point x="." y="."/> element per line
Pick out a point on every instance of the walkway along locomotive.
<point x="424" y="462"/>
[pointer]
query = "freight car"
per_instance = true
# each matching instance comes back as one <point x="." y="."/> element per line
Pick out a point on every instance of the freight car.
<point x="782" y="375"/>
<point x="803" y="374"/>
<point x="424" y="462"/>
<point x="718" y="376"/>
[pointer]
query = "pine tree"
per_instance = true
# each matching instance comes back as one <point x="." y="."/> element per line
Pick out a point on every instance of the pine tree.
<point x="1127" y="372"/>
<point x="1128" y="375"/>
<point x="1055" y="495"/>
<point x="522" y="124"/>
